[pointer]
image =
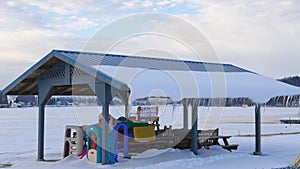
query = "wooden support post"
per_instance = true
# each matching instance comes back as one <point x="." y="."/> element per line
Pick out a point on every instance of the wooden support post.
<point x="44" y="95"/>
<point x="104" y="94"/>
<point x="257" y="130"/>
<point x="41" y="132"/>
<point x="105" y="113"/>
<point x="127" y="111"/>
<point x="185" y="114"/>
<point x="195" y="126"/>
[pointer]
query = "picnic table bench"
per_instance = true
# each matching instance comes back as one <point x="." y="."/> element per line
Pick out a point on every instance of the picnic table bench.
<point x="206" y="138"/>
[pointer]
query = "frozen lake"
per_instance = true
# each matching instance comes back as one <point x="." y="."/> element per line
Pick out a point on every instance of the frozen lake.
<point x="18" y="136"/>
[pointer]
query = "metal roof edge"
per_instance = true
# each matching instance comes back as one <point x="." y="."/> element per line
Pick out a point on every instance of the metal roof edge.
<point x="147" y="57"/>
<point x="245" y="70"/>
<point x="161" y="59"/>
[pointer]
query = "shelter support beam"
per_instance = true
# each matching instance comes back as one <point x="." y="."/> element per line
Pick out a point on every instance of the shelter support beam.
<point x="125" y="98"/>
<point x="127" y="110"/>
<point x="105" y="113"/>
<point x="44" y="95"/>
<point x="195" y="104"/>
<point x="103" y="92"/>
<point x="41" y="132"/>
<point x="185" y="114"/>
<point x="257" y="130"/>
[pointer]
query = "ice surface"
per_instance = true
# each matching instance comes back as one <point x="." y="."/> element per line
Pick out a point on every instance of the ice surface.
<point x="18" y="140"/>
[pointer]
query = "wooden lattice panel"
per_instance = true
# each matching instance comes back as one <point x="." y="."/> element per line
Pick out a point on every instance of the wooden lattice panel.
<point x="56" y="72"/>
<point x="75" y="72"/>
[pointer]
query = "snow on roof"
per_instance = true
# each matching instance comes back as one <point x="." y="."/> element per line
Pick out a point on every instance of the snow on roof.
<point x="146" y="76"/>
<point x="179" y="84"/>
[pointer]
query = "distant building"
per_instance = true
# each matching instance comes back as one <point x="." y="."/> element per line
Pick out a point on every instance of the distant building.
<point x="3" y="100"/>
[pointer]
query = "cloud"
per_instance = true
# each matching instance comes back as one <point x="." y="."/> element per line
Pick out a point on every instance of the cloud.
<point x="80" y="23"/>
<point x="66" y="7"/>
<point x="11" y="3"/>
<point x="12" y="18"/>
<point x="149" y="32"/>
<point x="21" y="49"/>
<point x="154" y="6"/>
<point x="259" y="35"/>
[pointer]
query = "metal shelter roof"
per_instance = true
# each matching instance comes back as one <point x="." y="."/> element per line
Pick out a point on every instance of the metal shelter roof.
<point x="237" y="82"/>
<point x="26" y="84"/>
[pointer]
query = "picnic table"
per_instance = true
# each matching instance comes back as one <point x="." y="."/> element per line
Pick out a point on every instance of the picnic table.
<point x="206" y="138"/>
<point x="214" y="140"/>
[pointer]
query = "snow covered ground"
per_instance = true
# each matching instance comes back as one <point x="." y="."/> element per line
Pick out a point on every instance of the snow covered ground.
<point x="18" y="139"/>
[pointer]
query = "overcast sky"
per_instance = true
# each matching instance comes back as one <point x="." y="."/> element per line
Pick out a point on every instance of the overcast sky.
<point x="262" y="36"/>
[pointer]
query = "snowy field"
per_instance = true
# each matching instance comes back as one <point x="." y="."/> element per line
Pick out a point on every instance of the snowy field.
<point x="18" y="139"/>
